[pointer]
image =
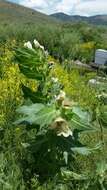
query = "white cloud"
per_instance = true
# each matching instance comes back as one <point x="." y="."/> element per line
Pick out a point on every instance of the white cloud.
<point x="34" y="4"/>
<point x="92" y="7"/>
<point x="80" y="7"/>
<point x="67" y="6"/>
<point x="83" y="7"/>
<point x="45" y="6"/>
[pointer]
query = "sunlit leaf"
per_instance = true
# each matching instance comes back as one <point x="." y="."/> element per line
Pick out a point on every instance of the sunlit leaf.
<point x="38" y="114"/>
<point x="81" y="119"/>
<point x="85" y="150"/>
<point x="81" y="150"/>
<point x="70" y="175"/>
<point x="83" y="115"/>
<point x="29" y="110"/>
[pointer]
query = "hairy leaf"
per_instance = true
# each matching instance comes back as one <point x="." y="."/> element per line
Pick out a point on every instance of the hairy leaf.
<point x="29" y="110"/>
<point x="85" y="150"/>
<point x="30" y="73"/>
<point x="38" y="114"/>
<point x="70" y="175"/>
<point x="81" y="119"/>
<point x="83" y="115"/>
<point x="35" y="97"/>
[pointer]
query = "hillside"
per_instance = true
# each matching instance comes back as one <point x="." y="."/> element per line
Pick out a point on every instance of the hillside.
<point x="98" y="19"/>
<point x="11" y="12"/>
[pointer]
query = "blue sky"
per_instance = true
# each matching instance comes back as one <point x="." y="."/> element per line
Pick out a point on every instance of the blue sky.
<point x="73" y="7"/>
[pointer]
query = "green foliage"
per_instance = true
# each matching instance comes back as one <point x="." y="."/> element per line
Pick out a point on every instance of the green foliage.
<point x="56" y="143"/>
<point x="58" y="133"/>
<point x="63" y="41"/>
<point x="29" y="60"/>
<point x="94" y="180"/>
<point x="10" y="173"/>
<point x="38" y="114"/>
<point x="76" y="85"/>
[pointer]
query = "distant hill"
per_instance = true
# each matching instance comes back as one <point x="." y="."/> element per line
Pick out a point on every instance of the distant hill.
<point x="11" y="12"/>
<point x="98" y="19"/>
<point x="21" y="23"/>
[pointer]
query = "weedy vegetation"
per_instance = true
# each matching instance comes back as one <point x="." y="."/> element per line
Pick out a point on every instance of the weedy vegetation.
<point x="53" y="117"/>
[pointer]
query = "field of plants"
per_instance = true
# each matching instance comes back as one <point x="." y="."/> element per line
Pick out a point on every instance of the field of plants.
<point x="53" y="117"/>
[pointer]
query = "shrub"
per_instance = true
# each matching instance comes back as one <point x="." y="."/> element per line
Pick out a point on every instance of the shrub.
<point x="52" y="152"/>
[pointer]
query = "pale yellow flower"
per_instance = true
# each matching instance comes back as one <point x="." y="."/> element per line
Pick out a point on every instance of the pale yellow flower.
<point x="61" y="95"/>
<point x="28" y="45"/>
<point x="36" y="43"/>
<point x="61" y="127"/>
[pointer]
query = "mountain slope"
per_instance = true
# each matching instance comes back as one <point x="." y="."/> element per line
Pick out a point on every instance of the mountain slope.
<point x="98" y="19"/>
<point x="65" y="17"/>
<point x="11" y="12"/>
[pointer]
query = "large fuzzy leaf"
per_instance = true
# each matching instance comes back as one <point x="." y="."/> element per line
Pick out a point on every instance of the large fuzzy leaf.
<point x="38" y="114"/>
<point x="85" y="150"/>
<point x="28" y="56"/>
<point x="29" y="110"/>
<point x="83" y="115"/>
<point x="82" y="150"/>
<point x="30" y="73"/>
<point x="35" y="97"/>
<point x="81" y="119"/>
<point x="45" y="116"/>
<point x="31" y="62"/>
<point x="70" y="175"/>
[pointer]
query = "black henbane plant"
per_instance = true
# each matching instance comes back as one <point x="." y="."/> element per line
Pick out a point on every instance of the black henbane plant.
<point x="57" y="120"/>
